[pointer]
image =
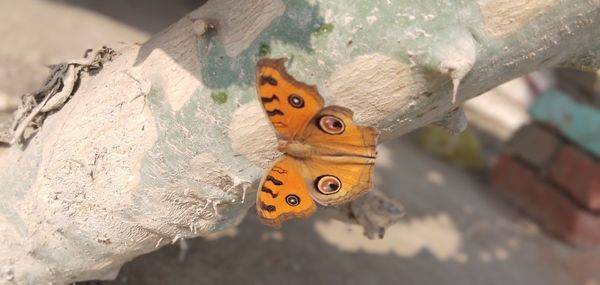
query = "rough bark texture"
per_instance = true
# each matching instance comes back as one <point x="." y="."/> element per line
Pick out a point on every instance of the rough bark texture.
<point x="167" y="140"/>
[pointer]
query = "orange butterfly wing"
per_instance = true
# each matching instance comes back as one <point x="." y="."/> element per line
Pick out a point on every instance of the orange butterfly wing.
<point x="289" y="104"/>
<point x="283" y="194"/>
<point x="346" y="154"/>
<point x="353" y="177"/>
<point x="354" y="140"/>
<point x="347" y="158"/>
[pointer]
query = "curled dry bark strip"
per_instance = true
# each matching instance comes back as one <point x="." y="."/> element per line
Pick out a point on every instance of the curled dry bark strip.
<point x="375" y="212"/>
<point x="55" y="92"/>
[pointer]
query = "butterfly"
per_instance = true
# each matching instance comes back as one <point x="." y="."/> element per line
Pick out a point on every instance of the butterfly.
<point x="327" y="158"/>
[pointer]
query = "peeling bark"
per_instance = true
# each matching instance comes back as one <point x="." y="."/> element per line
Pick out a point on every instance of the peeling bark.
<point x="168" y="140"/>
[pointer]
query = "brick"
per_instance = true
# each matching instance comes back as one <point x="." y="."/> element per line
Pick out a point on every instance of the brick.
<point x="579" y="174"/>
<point x="546" y="204"/>
<point x="578" y="122"/>
<point x="534" y="144"/>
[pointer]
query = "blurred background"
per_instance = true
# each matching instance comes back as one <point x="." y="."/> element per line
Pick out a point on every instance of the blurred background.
<point x="515" y="199"/>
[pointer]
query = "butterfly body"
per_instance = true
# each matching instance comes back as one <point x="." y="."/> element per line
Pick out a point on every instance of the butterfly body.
<point x="327" y="158"/>
<point x="295" y="149"/>
<point x="301" y="151"/>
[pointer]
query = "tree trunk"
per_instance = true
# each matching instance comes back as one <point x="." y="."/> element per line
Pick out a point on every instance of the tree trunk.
<point x="168" y="139"/>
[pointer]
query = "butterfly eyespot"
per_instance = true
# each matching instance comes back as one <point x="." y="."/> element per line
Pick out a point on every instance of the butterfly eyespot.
<point x="328" y="184"/>
<point x="331" y="125"/>
<point x="292" y="200"/>
<point x="296" y="101"/>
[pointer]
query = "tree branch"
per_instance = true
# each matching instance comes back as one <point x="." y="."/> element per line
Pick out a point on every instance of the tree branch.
<point x="167" y="140"/>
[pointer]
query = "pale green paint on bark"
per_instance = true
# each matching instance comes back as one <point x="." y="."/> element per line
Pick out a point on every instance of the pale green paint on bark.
<point x="189" y="132"/>
<point x="316" y="41"/>
<point x="13" y="190"/>
<point x="294" y="28"/>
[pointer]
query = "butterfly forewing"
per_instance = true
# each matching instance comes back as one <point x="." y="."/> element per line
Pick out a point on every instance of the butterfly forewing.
<point x="289" y="104"/>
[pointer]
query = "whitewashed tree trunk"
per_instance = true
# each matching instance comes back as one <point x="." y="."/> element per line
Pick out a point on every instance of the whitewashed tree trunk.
<point x="167" y="140"/>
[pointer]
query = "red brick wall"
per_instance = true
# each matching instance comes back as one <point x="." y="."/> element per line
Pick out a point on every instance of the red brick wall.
<point x="554" y="182"/>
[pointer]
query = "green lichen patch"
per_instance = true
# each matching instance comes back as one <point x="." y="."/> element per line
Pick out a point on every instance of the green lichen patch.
<point x="219" y="97"/>
<point x="323" y="29"/>
<point x="264" y="49"/>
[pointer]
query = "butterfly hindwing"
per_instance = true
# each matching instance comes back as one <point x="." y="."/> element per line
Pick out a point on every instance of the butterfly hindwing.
<point x="335" y="180"/>
<point x="344" y="154"/>
<point x="283" y="193"/>
<point x="289" y="104"/>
